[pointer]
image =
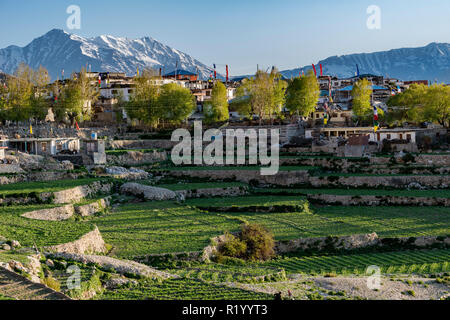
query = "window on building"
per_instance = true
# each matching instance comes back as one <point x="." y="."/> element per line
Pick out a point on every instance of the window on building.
<point x="130" y="90"/>
<point x="44" y="146"/>
<point x="59" y="146"/>
<point x="389" y="136"/>
<point x="114" y="91"/>
<point x="408" y="137"/>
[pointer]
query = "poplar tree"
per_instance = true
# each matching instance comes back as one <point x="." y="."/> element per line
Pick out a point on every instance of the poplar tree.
<point x="216" y="110"/>
<point x="361" y="94"/>
<point x="302" y="95"/>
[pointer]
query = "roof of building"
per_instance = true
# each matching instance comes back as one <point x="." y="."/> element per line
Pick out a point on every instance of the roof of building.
<point x="180" y="72"/>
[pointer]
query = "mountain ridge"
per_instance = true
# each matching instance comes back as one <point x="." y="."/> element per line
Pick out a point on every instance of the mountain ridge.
<point x="430" y="62"/>
<point x="58" y="50"/>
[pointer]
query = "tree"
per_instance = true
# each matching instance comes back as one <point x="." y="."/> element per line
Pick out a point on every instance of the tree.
<point x="361" y="93"/>
<point x="143" y="104"/>
<point x="421" y="103"/>
<point x="17" y="95"/>
<point x="176" y="103"/>
<point x="216" y="110"/>
<point x="302" y="95"/>
<point x="38" y="100"/>
<point x="262" y="95"/>
<point x="76" y="98"/>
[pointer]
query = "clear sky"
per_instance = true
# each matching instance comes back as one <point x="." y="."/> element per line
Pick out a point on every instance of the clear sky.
<point x="240" y="33"/>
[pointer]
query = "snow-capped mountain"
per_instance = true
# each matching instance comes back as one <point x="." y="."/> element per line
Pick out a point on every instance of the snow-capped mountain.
<point x="58" y="50"/>
<point x="431" y="62"/>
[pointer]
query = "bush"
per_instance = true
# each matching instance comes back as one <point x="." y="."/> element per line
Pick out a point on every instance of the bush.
<point x="233" y="247"/>
<point x="254" y="243"/>
<point x="260" y="242"/>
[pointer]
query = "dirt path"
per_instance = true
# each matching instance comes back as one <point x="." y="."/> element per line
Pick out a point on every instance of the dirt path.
<point x="17" y="287"/>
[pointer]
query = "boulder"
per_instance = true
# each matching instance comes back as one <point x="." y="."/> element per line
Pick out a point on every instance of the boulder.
<point x="148" y="192"/>
<point x="116" y="283"/>
<point x="130" y="174"/>
<point x="15" y="244"/>
<point x="6" y="247"/>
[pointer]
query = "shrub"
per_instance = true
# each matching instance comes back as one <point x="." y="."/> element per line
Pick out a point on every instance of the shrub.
<point x="253" y="243"/>
<point x="233" y="247"/>
<point x="260" y="242"/>
<point x="52" y="283"/>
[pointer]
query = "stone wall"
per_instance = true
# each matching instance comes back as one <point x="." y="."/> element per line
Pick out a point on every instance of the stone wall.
<point x="346" y="242"/>
<point x="360" y="241"/>
<point x="213" y="192"/>
<point x="93" y="208"/>
<point x="81" y="192"/>
<point x="140" y="144"/>
<point x="124" y="267"/>
<point x="431" y="181"/>
<point x="301" y="177"/>
<point x="365" y="200"/>
<point x="52" y="214"/>
<point x="67" y="211"/>
<point x="91" y="242"/>
<point x="283" y="178"/>
<point x="40" y="176"/>
<point x="132" y="158"/>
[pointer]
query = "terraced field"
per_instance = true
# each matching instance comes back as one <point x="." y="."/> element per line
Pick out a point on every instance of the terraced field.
<point x="437" y="193"/>
<point x="42" y="186"/>
<point x="181" y="289"/>
<point x="200" y="185"/>
<point x="42" y="233"/>
<point x="403" y="262"/>
<point x="164" y="227"/>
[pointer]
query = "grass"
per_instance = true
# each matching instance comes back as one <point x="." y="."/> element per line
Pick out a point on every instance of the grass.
<point x="442" y="193"/>
<point x="200" y="185"/>
<point x="404" y="262"/>
<point x="181" y="289"/>
<point x="138" y="229"/>
<point x="41" y="233"/>
<point x="42" y="186"/>
<point x="2" y="297"/>
<point x="217" y="168"/>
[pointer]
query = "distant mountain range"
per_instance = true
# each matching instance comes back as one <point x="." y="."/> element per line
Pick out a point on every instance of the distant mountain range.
<point x="58" y="50"/>
<point x="431" y="62"/>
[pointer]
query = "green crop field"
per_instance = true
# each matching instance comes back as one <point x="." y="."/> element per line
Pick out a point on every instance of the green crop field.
<point x="166" y="227"/>
<point x="42" y="186"/>
<point x="438" y="193"/>
<point x="255" y="167"/>
<point x="181" y="289"/>
<point x="41" y="233"/>
<point x="417" y="261"/>
<point x="205" y="185"/>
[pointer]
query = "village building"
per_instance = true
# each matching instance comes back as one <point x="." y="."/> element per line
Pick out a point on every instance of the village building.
<point x="180" y="74"/>
<point x="45" y="146"/>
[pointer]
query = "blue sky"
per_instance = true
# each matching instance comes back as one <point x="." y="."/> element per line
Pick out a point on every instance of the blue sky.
<point x="240" y="33"/>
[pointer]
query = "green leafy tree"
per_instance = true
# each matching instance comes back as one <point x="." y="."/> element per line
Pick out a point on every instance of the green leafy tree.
<point x="176" y="103"/>
<point x="302" y="95"/>
<point x="143" y="104"/>
<point x="76" y="98"/>
<point x="262" y="95"/>
<point x="361" y="94"/>
<point x="216" y="110"/>
<point x="39" y="101"/>
<point x="17" y="96"/>
<point x="421" y="103"/>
